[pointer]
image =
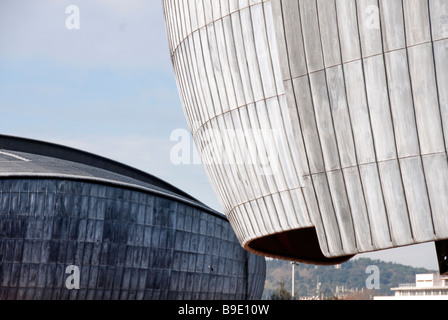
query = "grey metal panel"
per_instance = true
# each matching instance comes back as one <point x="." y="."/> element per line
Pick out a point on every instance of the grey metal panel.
<point x="323" y="116"/>
<point x="233" y="62"/>
<point x="379" y="224"/>
<point x="313" y="206"/>
<point x="358" y="205"/>
<point x="395" y="202"/>
<point x="379" y="109"/>
<point x="311" y="32"/>
<point x="296" y="130"/>
<point x="348" y="30"/>
<point x="425" y="99"/>
<point x="436" y="170"/>
<point x="341" y="116"/>
<point x="359" y="112"/>
<point x="438" y="10"/>
<point x="329" y="220"/>
<point x="336" y="182"/>
<point x="281" y="43"/>
<point x="329" y="32"/>
<point x="401" y="103"/>
<point x="294" y="42"/>
<point x="417" y="21"/>
<point x="441" y="61"/>
<point x="392" y="25"/>
<point x="369" y="31"/>
<point x="305" y="110"/>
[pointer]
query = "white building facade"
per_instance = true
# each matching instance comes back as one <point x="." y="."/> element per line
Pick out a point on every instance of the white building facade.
<point x="426" y="287"/>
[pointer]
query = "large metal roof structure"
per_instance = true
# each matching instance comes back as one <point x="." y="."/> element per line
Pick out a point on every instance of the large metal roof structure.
<point x="322" y="124"/>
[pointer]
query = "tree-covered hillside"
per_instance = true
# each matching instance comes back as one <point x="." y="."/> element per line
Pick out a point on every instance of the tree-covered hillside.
<point x="331" y="281"/>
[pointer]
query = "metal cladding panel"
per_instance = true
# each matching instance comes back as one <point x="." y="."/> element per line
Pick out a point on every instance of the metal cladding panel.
<point x="128" y="245"/>
<point x="358" y="90"/>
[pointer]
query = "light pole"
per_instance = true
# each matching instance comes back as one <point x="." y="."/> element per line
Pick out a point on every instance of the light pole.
<point x="293" y="279"/>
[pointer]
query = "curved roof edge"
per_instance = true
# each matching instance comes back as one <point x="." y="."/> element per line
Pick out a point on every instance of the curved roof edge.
<point x="61" y="152"/>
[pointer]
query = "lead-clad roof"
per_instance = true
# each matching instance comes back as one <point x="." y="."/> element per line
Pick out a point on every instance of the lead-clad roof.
<point x="28" y="158"/>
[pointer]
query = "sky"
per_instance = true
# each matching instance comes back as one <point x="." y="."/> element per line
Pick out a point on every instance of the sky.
<point x="106" y="86"/>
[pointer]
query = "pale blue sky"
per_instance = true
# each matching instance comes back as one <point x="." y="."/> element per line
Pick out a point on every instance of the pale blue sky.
<point x="107" y="88"/>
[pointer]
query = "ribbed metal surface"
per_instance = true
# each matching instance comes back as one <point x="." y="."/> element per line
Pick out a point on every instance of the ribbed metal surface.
<point x="369" y="86"/>
<point x="128" y="245"/>
<point x="354" y="95"/>
<point x="132" y="236"/>
<point x="233" y="94"/>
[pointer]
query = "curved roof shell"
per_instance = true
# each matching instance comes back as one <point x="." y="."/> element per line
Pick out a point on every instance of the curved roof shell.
<point x="21" y="157"/>
<point x="338" y="111"/>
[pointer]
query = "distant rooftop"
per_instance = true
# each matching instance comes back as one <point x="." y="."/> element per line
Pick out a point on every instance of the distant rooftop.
<point x="425" y="281"/>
